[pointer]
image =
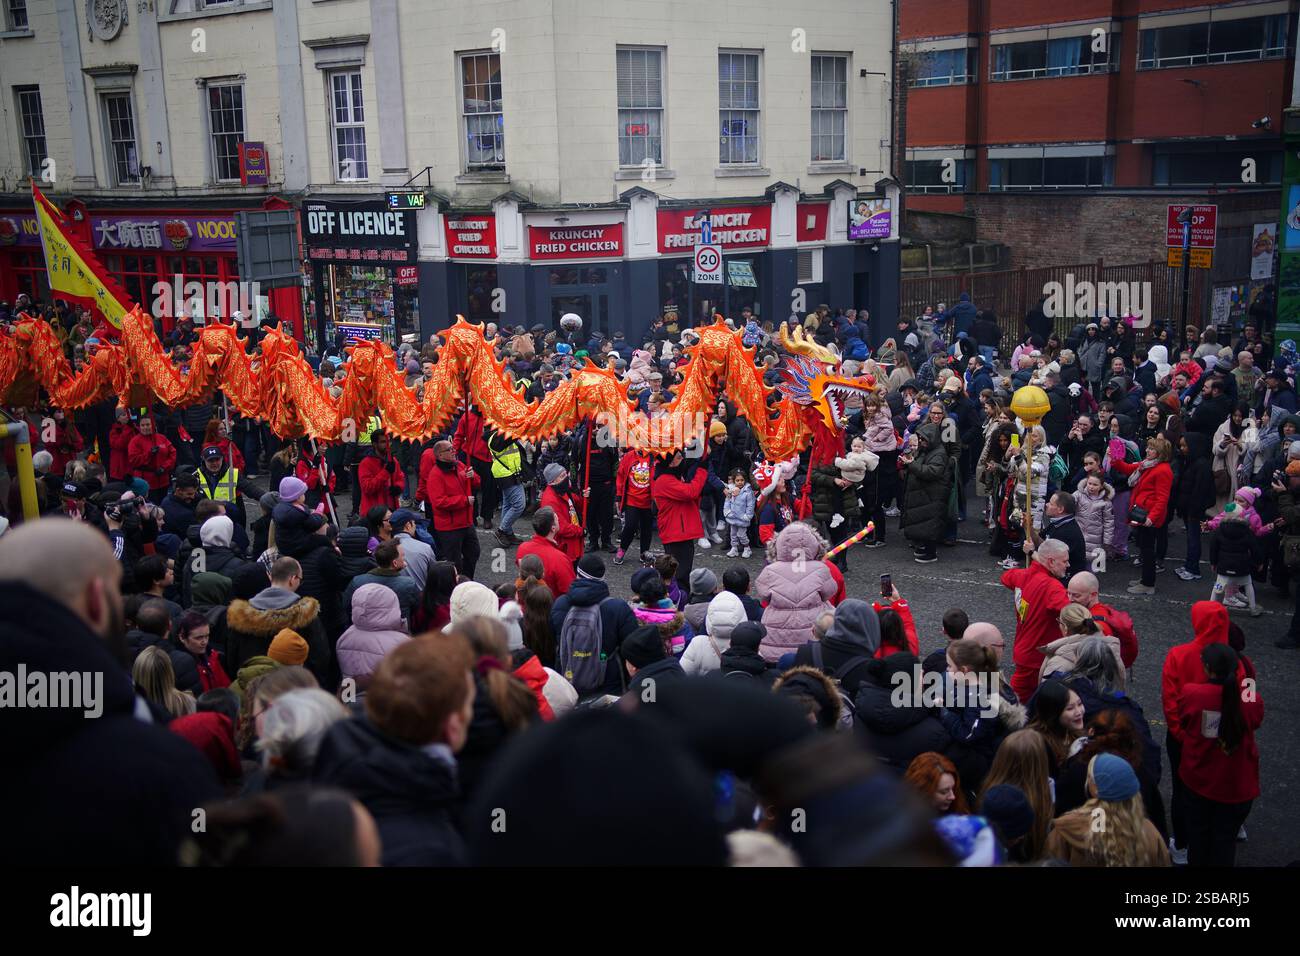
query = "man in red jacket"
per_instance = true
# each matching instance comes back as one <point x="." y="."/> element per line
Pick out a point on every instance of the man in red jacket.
<point x="469" y="442"/>
<point x="1042" y="596"/>
<point x="152" y="458"/>
<point x="560" y="499"/>
<point x="1183" y="667"/>
<point x="380" y="476"/>
<point x="677" y="487"/>
<point x="1084" y="588"/>
<point x="557" y="569"/>
<point x="449" y="487"/>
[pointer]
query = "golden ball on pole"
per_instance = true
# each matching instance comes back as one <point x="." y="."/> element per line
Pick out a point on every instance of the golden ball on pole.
<point x="1030" y="404"/>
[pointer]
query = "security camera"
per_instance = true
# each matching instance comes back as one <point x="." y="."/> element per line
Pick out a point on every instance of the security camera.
<point x="1264" y="122"/>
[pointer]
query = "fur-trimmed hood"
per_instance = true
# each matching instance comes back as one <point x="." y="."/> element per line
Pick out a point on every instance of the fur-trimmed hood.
<point x="247" y="619"/>
<point x="668" y="620"/>
<point x="812" y="681"/>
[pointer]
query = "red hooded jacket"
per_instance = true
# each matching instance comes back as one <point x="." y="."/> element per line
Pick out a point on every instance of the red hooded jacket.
<point x="468" y="436"/>
<point x="1205" y="767"/>
<point x="1183" y="663"/>
<point x="379" y="486"/>
<point x="679" y="506"/>
<point x="119" y="439"/>
<point x="534" y="675"/>
<point x="1118" y="625"/>
<point x="557" y="569"/>
<point x="1041" y="599"/>
<point x="155" y="467"/>
<point x="1152" y="490"/>
<point x="632" y="483"/>
<point x="450" y="495"/>
<point x="904" y="611"/>
<point x="568" y="526"/>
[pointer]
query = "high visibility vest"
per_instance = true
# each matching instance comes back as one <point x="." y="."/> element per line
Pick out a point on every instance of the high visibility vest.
<point x="363" y="438"/>
<point x="508" y="463"/>
<point x="227" y="489"/>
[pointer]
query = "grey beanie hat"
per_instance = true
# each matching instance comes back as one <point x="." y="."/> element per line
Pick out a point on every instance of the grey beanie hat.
<point x="553" y="472"/>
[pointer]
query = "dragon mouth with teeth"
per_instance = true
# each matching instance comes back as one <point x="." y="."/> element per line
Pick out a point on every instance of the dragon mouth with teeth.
<point x="813" y="379"/>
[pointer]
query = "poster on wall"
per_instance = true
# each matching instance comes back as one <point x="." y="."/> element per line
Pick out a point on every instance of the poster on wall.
<point x="1262" y="247"/>
<point x="870" y="219"/>
<point x="1291" y="238"/>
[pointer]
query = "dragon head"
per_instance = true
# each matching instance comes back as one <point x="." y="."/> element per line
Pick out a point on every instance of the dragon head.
<point x="814" y="378"/>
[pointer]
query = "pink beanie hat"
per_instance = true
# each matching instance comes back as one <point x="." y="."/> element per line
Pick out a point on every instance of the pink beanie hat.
<point x="1248" y="495"/>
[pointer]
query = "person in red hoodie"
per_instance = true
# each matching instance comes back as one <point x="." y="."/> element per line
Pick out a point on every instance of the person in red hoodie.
<point x="119" y="440"/>
<point x="558" y="497"/>
<point x="449" y="490"/>
<point x="1183" y="667"/>
<point x="898" y="604"/>
<point x="469" y="441"/>
<point x="67" y="443"/>
<point x="1217" y="720"/>
<point x="1042" y="595"/>
<point x="557" y="569"/>
<point x="380" y="476"/>
<point x="308" y="470"/>
<point x="677" y="486"/>
<point x="1152" y="480"/>
<point x="152" y="458"/>
<point x="632" y="496"/>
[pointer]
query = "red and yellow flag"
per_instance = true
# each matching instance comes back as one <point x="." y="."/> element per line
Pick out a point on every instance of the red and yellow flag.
<point x="72" y="266"/>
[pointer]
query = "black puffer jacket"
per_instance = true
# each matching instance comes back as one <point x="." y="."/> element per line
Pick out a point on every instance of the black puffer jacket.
<point x="1234" y="550"/>
<point x="929" y="483"/>
<point x="412" y="796"/>
<point x="1194" y="494"/>
<point x="829" y="499"/>
<point x="897" y="734"/>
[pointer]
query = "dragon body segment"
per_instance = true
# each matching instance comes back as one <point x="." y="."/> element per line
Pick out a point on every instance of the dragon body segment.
<point x="279" y="386"/>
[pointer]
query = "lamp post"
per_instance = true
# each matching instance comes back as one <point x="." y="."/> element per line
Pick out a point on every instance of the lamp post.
<point x="1029" y="404"/>
<point x="1185" y="217"/>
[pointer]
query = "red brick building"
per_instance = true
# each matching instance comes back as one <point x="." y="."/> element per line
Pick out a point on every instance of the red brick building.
<point x="1065" y="128"/>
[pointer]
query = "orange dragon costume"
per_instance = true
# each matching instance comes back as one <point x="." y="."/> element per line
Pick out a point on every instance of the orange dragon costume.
<point x="277" y="385"/>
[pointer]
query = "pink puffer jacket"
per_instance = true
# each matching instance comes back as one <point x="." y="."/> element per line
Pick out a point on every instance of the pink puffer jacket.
<point x="1096" y="516"/>
<point x="796" y="588"/>
<point x="376" y="629"/>
<point x="880" y="431"/>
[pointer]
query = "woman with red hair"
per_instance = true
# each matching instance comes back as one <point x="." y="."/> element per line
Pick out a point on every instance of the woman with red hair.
<point x="934" y="777"/>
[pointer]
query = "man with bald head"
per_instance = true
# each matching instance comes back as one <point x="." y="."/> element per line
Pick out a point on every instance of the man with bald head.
<point x="1041" y="597"/>
<point x="93" y="783"/>
<point x="1085" y="589"/>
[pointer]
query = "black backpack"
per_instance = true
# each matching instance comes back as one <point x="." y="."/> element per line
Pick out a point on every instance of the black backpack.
<point x="848" y="710"/>
<point x="580" y="654"/>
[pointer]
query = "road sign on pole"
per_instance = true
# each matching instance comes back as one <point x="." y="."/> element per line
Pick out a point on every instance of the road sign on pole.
<point x="708" y="263"/>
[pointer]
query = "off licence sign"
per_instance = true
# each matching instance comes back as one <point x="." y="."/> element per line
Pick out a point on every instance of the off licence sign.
<point x="1204" y="226"/>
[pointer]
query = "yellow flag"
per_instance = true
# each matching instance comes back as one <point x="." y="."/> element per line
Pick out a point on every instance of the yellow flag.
<point x="73" y="268"/>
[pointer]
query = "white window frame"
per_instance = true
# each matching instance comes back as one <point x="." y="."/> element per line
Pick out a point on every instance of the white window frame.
<point x="111" y="144"/>
<point x="27" y="137"/>
<point x="813" y="259"/>
<point x="625" y="111"/>
<point x="8" y="20"/>
<point x="214" y="160"/>
<point x="498" y="163"/>
<point x="355" y="108"/>
<point x="757" y="111"/>
<point x="842" y="111"/>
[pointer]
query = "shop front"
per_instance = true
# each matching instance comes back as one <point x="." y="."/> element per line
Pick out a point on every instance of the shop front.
<point x="471" y="252"/>
<point x="361" y="259"/>
<point x="170" y="261"/>
<point x="743" y="232"/>
<point x="568" y="259"/>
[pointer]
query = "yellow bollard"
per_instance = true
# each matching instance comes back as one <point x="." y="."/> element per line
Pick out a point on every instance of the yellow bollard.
<point x="21" y="435"/>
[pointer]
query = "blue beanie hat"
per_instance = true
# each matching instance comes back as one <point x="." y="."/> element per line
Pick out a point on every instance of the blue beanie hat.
<point x="1114" y="778"/>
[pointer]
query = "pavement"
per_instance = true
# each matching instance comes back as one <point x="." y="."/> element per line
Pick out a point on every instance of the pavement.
<point x="966" y="576"/>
